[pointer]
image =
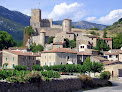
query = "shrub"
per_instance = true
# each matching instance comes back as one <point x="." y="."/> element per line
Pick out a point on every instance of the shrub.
<point x="20" y="67"/>
<point x="50" y="74"/>
<point x="33" y="77"/>
<point x="37" y="68"/>
<point x="105" y="75"/>
<point x="86" y="80"/>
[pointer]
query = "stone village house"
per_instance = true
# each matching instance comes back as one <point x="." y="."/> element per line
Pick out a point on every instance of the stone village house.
<point x="15" y="57"/>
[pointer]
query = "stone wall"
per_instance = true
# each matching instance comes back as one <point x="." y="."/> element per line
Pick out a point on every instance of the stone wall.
<point x="56" y="85"/>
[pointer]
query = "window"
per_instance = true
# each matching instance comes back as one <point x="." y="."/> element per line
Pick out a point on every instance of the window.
<point x="107" y="41"/>
<point x="13" y="66"/>
<point x="45" y="63"/>
<point x="61" y="63"/>
<point x="49" y="63"/>
<point x="6" y="59"/>
<point x="53" y="63"/>
<point x="13" y="58"/>
<point x="68" y="57"/>
<point x="77" y="34"/>
<point x="69" y="35"/>
<point x="110" y="56"/>
<point x="83" y="46"/>
<point x="92" y="38"/>
<point x="116" y="56"/>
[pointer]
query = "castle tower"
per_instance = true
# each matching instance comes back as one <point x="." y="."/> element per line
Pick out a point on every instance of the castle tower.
<point x="35" y="20"/>
<point x="67" y="25"/>
<point x="51" y="22"/>
<point x="42" y="37"/>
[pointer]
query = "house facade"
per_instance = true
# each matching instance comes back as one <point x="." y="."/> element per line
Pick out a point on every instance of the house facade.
<point x="12" y="58"/>
<point x="58" y="56"/>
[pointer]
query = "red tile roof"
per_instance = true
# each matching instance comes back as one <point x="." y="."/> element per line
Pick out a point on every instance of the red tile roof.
<point x="114" y="53"/>
<point x="59" y="43"/>
<point x="60" y="50"/>
<point x="107" y="38"/>
<point x="84" y="53"/>
<point x="109" y="62"/>
<point x="21" y="53"/>
<point x="19" y="48"/>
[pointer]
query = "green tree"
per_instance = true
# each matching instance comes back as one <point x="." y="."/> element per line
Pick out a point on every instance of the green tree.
<point x="6" y="40"/>
<point x="117" y="41"/>
<point x="105" y="33"/>
<point x="73" y="27"/>
<point x="35" y="48"/>
<point x="97" y="67"/>
<point x="87" y="64"/>
<point x="50" y="39"/>
<point x="72" y="43"/>
<point x="20" y="67"/>
<point x="101" y="45"/>
<point x="37" y="68"/>
<point x="95" y="28"/>
<point x="29" y="30"/>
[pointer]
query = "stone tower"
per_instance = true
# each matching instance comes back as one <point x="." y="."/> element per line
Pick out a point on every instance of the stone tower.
<point x="67" y="25"/>
<point x="42" y="37"/>
<point x="35" y="20"/>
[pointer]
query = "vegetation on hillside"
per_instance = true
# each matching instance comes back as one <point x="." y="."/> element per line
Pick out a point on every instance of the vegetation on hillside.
<point x="95" y="28"/>
<point x="114" y="29"/>
<point x="6" y="40"/>
<point x="117" y="41"/>
<point x="29" y="30"/>
<point x="70" y="43"/>
<point x="50" y="39"/>
<point x="36" y="48"/>
<point x="94" y="33"/>
<point x="101" y="45"/>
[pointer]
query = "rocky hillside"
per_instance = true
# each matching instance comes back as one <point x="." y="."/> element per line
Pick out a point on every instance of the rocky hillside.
<point x="114" y="29"/>
<point x="13" y="22"/>
<point x="83" y="25"/>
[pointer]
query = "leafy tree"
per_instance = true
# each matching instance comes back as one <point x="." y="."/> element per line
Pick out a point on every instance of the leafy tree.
<point x="50" y="39"/>
<point x="95" y="28"/>
<point x="20" y="67"/>
<point x="105" y="75"/>
<point x="6" y="40"/>
<point x="87" y="64"/>
<point x="37" y="68"/>
<point x="105" y="33"/>
<point x="70" y="43"/>
<point x="117" y="41"/>
<point x="93" y="32"/>
<point x="73" y="27"/>
<point x="97" y="67"/>
<point x="101" y="45"/>
<point x="29" y="30"/>
<point x="35" y="48"/>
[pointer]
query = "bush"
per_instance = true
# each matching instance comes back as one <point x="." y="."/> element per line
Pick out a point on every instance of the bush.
<point x="86" y="80"/>
<point x="37" y="68"/>
<point x="20" y="67"/>
<point x="105" y="75"/>
<point x="50" y="74"/>
<point x="29" y="30"/>
<point x="33" y="77"/>
<point x="50" y="39"/>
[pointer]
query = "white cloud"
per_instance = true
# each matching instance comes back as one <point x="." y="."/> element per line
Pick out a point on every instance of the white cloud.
<point x="73" y="11"/>
<point x="26" y="11"/>
<point x="112" y="17"/>
<point x="90" y="19"/>
<point x="109" y="19"/>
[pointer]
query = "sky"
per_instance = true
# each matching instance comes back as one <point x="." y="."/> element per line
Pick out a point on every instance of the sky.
<point x="97" y="11"/>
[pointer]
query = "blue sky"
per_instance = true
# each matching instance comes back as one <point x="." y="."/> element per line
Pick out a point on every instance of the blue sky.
<point x="97" y="11"/>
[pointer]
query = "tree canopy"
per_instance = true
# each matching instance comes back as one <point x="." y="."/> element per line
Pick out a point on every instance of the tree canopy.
<point x="6" y="40"/>
<point x="50" y="39"/>
<point x="117" y="41"/>
<point x="70" y="43"/>
<point x="105" y="33"/>
<point x="29" y="30"/>
<point x="35" y="48"/>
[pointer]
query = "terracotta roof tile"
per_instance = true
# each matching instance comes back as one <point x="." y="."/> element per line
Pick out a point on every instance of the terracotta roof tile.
<point x="109" y="62"/>
<point x="101" y="58"/>
<point x="84" y="53"/>
<point x="114" y="53"/>
<point x="60" y="50"/>
<point x="59" y="43"/>
<point x="21" y="53"/>
<point x="15" y="48"/>
<point x="107" y="38"/>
